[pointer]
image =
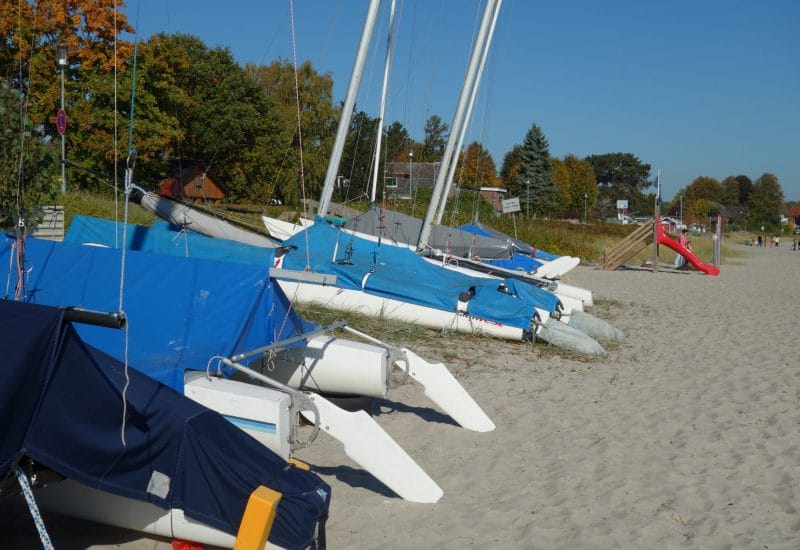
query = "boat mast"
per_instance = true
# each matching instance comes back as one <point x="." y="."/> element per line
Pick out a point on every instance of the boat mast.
<point x="472" y="69"/>
<point x="347" y="109"/>
<point x="387" y="67"/>
<point x="463" y="130"/>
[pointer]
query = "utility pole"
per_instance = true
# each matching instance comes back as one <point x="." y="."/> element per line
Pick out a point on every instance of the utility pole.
<point x="62" y="64"/>
<point x="585" y="196"/>
<point x="528" y="199"/>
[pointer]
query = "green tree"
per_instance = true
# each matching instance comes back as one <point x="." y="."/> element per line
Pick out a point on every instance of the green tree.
<point x="435" y="140"/>
<point x="620" y="176"/>
<point x="509" y="171"/>
<point x="730" y="191"/>
<point x="704" y="187"/>
<point x="766" y="202"/>
<point x="576" y="189"/>
<point x="221" y="111"/>
<point x="745" y="188"/>
<point x="30" y="183"/>
<point x="535" y="174"/>
<point x="279" y="154"/>
<point x="358" y="156"/>
<point x="397" y="143"/>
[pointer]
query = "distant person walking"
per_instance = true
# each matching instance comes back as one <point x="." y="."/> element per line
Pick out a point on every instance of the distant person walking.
<point x="759" y="241"/>
<point x="679" y="260"/>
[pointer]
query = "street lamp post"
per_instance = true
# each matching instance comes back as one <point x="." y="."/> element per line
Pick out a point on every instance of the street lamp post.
<point x="528" y="198"/>
<point x="410" y="177"/>
<point x="585" y="196"/>
<point x="62" y="64"/>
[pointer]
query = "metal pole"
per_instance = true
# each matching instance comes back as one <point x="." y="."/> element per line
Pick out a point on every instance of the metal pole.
<point x="386" y="69"/>
<point x="410" y="176"/>
<point x="585" y="196"/>
<point x="461" y="106"/>
<point x="718" y="241"/>
<point x="347" y="109"/>
<point x="527" y="198"/>
<point x="63" y="138"/>
<point x="462" y="132"/>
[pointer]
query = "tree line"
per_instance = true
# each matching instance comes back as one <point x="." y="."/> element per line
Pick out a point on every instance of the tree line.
<point x="193" y="102"/>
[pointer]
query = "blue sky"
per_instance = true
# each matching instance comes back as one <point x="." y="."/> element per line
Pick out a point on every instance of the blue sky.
<point x="697" y="88"/>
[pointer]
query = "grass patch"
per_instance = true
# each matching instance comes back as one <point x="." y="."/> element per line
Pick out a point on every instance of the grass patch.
<point x="101" y="206"/>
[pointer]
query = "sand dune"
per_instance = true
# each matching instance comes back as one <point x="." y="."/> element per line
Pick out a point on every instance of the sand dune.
<point x="685" y="436"/>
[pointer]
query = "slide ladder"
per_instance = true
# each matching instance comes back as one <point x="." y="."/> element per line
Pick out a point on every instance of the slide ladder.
<point x="628" y="247"/>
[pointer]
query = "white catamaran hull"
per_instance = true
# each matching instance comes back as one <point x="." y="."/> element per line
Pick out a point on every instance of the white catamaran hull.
<point x="347" y="367"/>
<point x="76" y="500"/>
<point x="376" y="306"/>
<point x="264" y="414"/>
<point x="282" y="230"/>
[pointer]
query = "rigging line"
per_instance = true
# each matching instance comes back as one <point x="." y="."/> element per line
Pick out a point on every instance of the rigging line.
<point x="130" y="162"/>
<point x="23" y="100"/>
<point x="299" y="128"/>
<point x="116" y="138"/>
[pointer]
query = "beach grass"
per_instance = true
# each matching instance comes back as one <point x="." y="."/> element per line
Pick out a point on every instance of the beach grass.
<point x="563" y="237"/>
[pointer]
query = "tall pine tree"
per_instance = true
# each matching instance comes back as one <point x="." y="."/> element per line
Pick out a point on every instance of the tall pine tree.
<point x="535" y="175"/>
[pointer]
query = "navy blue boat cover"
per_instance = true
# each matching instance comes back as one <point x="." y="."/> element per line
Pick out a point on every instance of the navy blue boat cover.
<point x="395" y="272"/>
<point x="181" y="312"/>
<point x="61" y="401"/>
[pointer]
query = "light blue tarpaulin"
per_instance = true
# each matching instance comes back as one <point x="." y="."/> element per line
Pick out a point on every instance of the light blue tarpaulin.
<point x="523" y="249"/>
<point x="391" y="272"/>
<point x="397" y="272"/>
<point x="181" y="311"/>
<point x="163" y="238"/>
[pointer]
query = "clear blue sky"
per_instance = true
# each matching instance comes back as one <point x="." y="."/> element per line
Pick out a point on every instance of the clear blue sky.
<point x="691" y="87"/>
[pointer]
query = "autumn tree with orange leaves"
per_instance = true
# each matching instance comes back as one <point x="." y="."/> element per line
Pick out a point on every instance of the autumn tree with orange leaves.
<point x="476" y="167"/>
<point x="31" y="31"/>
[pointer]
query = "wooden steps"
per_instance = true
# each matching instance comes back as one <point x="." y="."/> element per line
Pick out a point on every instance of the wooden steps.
<point x="628" y="247"/>
<point x="51" y="227"/>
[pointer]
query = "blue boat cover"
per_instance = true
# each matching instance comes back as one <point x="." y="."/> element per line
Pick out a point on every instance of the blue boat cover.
<point x="61" y="401"/>
<point x="164" y="238"/>
<point x="393" y="268"/>
<point x="181" y="312"/>
<point x="399" y="273"/>
<point x="520" y="246"/>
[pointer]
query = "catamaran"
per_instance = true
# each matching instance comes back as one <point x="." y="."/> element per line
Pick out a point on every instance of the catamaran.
<point x="96" y="440"/>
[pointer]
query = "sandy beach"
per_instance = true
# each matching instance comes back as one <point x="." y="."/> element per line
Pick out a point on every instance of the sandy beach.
<point x="685" y="436"/>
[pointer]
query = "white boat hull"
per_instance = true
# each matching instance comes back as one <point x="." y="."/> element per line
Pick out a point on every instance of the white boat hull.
<point x="261" y="412"/>
<point x="357" y="301"/>
<point x="332" y="366"/>
<point x="282" y="230"/>
<point x="76" y="500"/>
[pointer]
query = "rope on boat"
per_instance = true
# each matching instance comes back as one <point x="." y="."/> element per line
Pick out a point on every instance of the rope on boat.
<point x="299" y="129"/>
<point x="130" y="163"/>
<point x="25" y="485"/>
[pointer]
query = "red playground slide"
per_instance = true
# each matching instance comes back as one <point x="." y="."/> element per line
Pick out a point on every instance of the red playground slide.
<point x="664" y="239"/>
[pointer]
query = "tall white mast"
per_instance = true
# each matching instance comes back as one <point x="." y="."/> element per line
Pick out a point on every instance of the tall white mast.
<point x="463" y="130"/>
<point x="386" y="69"/>
<point x="347" y="109"/>
<point x="472" y="69"/>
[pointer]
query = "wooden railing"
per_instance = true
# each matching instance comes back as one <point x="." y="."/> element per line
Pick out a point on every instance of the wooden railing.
<point x="628" y="247"/>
